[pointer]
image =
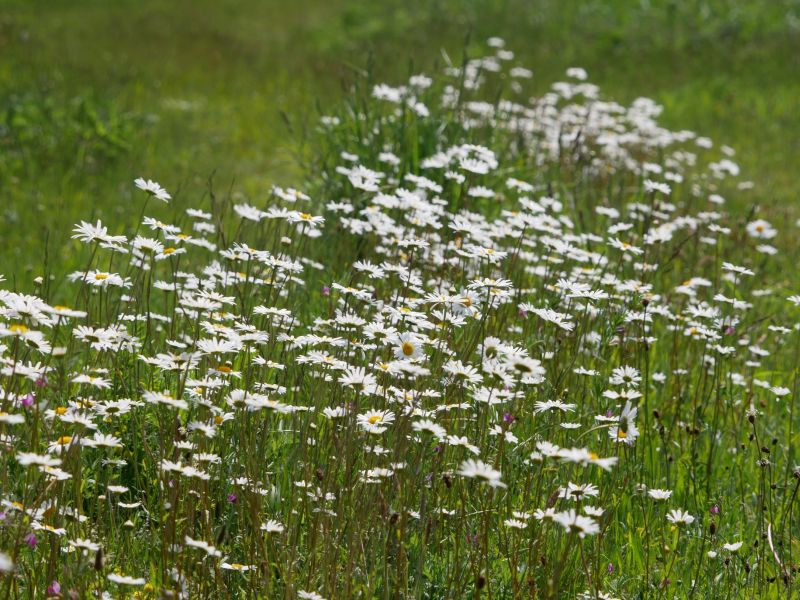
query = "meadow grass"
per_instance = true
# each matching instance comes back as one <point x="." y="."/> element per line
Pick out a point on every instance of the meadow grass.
<point x="473" y="331"/>
<point x="94" y="93"/>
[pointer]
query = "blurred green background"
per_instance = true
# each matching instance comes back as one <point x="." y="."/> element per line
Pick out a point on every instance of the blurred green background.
<point x="94" y="93"/>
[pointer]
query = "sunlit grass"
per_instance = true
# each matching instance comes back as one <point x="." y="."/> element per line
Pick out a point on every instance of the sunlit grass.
<point x="491" y="343"/>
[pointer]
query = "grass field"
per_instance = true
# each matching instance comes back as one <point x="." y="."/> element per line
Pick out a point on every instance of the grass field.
<point x="95" y="93"/>
<point x="418" y="312"/>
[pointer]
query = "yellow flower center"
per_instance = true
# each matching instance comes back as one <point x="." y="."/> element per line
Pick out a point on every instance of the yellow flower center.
<point x="168" y="250"/>
<point x="61" y="410"/>
<point x="100" y="276"/>
<point x="408" y="348"/>
<point x="64" y="440"/>
<point x="374" y="419"/>
<point x="18" y="328"/>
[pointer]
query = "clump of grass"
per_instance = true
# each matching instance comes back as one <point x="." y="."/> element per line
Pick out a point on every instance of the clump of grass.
<point x="497" y="346"/>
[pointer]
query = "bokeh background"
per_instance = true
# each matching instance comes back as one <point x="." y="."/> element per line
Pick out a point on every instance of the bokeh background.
<point x="94" y="93"/>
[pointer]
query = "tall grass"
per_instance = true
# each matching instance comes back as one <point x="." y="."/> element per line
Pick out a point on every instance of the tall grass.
<point x="493" y="346"/>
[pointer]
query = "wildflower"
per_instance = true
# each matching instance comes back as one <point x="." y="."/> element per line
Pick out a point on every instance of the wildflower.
<point x="29" y="458"/>
<point x="407" y="347"/>
<point x="375" y="421"/>
<point x="272" y="526"/>
<point x="679" y="517"/>
<point x="572" y="522"/>
<point x="659" y="495"/>
<point x="358" y="379"/>
<point x="235" y="566"/>
<point x="476" y="469"/>
<point x="88" y="233"/>
<point x="760" y="229"/>
<point x="153" y="189"/>
<point x="515" y="524"/>
<point x="732" y="548"/>
<point x="625" y="246"/>
<point x="126" y="580"/>
<point x="561" y="320"/>
<point x="207" y="548"/>
<point x="428" y="426"/>
<point x="6" y="564"/>
<point x="626" y="430"/>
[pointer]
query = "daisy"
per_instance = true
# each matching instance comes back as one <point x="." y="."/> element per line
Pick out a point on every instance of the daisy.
<point x="407" y="347"/>
<point x="153" y="189"/>
<point x="579" y="492"/>
<point x="428" y="426"/>
<point x="525" y="367"/>
<point x="358" y="379"/>
<point x="731" y="268"/>
<point x="82" y="544"/>
<point x="87" y="233"/>
<point x="572" y="522"/>
<point x="515" y="524"/>
<point x="272" y="526"/>
<point x="732" y="547"/>
<point x="204" y="546"/>
<point x="625" y="431"/>
<point x="679" y="517"/>
<point x="126" y="580"/>
<point x="551" y="316"/>
<point x="305" y="218"/>
<point x="659" y="495"/>
<point x="625" y="247"/>
<point x="547" y="405"/>
<point x="625" y="376"/>
<point x="760" y="229"/>
<point x="375" y="421"/>
<point x="104" y="279"/>
<point x="476" y="469"/>
<point x="656" y="186"/>
<point x="236" y="566"/>
<point x="97" y="382"/>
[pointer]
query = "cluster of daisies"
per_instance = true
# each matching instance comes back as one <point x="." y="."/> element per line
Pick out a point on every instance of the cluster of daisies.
<point x="513" y="347"/>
